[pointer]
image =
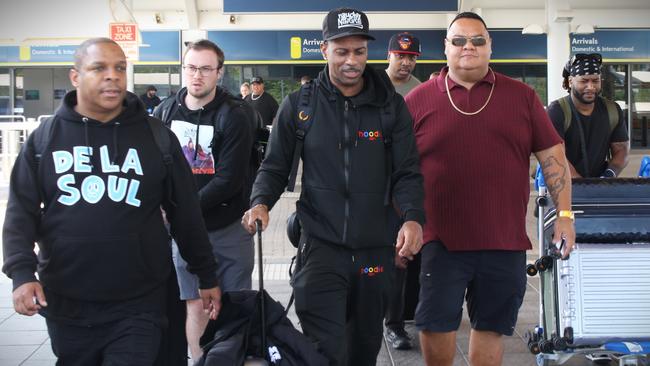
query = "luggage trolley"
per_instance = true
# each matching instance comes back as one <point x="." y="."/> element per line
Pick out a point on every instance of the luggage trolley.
<point x="596" y="303"/>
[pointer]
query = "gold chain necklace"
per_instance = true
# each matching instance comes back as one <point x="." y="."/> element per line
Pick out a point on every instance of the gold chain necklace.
<point x="480" y="109"/>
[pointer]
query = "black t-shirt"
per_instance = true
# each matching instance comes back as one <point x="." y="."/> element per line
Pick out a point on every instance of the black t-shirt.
<point x="265" y="105"/>
<point x="597" y="137"/>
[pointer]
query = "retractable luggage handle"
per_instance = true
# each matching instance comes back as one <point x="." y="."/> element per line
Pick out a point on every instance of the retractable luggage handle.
<point x="260" y="276"/>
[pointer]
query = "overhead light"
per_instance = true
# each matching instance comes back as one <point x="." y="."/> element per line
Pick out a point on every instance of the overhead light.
<point x="533" y="29"/>
<point x="158" y="18"/>
<point x="232" y="19"/>
<point x="584" y="29"/>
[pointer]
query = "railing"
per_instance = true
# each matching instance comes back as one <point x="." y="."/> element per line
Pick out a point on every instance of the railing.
<point x="13" y="134"/>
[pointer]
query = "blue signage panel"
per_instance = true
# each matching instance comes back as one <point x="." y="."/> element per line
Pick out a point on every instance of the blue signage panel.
<point x="9" y="54"/>
<point x="305" y="45"/>
<point x="157" y="46"/>
<point x="160" y="46"/>
<point x="292" y="6"/>
<point x="614" y="43"/>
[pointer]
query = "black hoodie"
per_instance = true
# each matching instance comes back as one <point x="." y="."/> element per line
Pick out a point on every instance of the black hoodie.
<point x="221" y="166"/>
<point x="102" y="237"/>
<point x="344" y="164"/>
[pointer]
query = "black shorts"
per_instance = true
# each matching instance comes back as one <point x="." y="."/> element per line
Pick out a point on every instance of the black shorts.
<point x="493" y="282"/>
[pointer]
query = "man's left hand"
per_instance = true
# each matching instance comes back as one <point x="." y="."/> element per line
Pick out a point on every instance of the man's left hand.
<point x="564" y="228"/>
<point x="211" y="301"/>
<point x="409" y="239"/>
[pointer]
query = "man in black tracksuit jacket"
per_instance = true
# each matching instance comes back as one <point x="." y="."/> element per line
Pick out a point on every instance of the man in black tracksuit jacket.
<point x="346" y="252"/>
<point x="104" y="258"/>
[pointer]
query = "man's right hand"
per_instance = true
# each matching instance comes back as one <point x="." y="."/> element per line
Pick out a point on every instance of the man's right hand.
<point x="257" y="212"/>
<point x="25" y="296"/>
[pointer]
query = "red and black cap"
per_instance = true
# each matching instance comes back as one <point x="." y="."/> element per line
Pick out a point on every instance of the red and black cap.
<point x="404" y="43"/>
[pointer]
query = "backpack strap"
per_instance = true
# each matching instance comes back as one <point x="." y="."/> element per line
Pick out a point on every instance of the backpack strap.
<point x="612" y="113"/>
<point x="40" y="141"/>
<point x="168" y="111"/>
<point x="566" y="110"/>
<point x="161" y="137"/>
<point x="387" y="118"/>
<point x="303" y="119"/>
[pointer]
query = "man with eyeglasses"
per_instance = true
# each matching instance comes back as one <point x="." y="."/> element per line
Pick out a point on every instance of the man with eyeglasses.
<point x="475" y="130"/>
<point x="262" y="102"/>
<point x="220" y="146"/>
<point x="403" y="52"/>
<point x="359" y="157"/>
<point x="593" y="128"/>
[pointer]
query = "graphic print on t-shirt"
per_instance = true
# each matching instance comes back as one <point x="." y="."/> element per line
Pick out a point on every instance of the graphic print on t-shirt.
<point x="197" y="153"/>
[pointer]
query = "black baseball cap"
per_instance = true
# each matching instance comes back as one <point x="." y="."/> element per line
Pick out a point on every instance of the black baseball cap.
<point x="404" y="43"/>
<point x="345" y="22"/>
<point x="257" y="79"/>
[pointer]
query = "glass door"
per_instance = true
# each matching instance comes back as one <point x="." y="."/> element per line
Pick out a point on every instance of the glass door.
<point x="640" y="105"/>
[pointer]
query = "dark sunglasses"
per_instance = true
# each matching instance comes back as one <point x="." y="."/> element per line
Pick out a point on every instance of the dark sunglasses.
<point x="462" y="41"/>
<point x="596" y="57"/>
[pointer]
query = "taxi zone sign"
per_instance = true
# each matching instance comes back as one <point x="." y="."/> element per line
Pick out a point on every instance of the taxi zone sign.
<point x="126" y="35"/>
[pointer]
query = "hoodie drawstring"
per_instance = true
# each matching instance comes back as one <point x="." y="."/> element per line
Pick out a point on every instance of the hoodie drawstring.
<point x="196" y="141"/>
<point x="87" y="137"/>
<point x="116" y="153"/>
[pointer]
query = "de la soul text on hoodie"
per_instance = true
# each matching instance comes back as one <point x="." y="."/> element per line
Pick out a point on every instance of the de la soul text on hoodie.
<point x="102" y="236"/>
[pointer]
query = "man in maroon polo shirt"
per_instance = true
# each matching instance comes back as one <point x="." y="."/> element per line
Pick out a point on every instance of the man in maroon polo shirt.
<point x="475" y="130"/>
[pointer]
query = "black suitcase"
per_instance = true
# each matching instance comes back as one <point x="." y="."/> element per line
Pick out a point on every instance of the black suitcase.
<point x="252" y="329"/>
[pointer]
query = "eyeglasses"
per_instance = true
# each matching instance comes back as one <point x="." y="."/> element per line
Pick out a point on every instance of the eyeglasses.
<point x="462" y="41"/>
<point x="595" y="57"/>
<point x="203" y="70"/>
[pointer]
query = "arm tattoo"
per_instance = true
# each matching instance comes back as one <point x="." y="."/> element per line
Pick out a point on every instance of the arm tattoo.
<point x="555" y="177"/>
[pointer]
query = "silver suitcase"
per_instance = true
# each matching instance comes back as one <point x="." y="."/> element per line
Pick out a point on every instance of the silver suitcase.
<point x="604" y="293"/>
<point x="600" y="295"/>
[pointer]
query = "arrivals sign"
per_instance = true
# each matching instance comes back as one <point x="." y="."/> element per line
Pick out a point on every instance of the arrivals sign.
<point x="304" y="45"/>
<point x="614" y="44"/>
<point x="126" y="35"/>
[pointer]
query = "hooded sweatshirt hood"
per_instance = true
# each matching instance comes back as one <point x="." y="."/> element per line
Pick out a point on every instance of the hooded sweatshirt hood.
<point x="377" y="90"/>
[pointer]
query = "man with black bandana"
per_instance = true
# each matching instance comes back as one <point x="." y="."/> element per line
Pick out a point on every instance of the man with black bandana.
<point x="593" y="128"/>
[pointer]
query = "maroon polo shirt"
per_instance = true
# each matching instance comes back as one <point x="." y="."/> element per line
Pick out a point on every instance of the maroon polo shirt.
<point x="475" y="168"/>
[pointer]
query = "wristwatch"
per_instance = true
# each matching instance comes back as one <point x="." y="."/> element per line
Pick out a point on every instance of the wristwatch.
<point x="566" y="213"/>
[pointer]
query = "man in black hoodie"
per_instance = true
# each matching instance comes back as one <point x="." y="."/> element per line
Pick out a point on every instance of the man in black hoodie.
<point x="103" y="260"/>
<point x="352" y="177"/>
<point x="219" y="152"/>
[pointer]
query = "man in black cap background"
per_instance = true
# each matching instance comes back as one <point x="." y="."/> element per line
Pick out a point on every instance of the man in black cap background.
<point x="403" y="52"/>
<point x="150" y="99"/>
<point x="359" y="158"/>
<point x="262" y="102"/>
<point x="593" y="128"/>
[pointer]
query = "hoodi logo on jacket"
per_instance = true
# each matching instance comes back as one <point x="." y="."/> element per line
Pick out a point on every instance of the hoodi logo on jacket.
<point x="371" y="271"/>
<point x="93" y="188"/>
<point x="369" y="135"/>
<point x="350" y="20"/>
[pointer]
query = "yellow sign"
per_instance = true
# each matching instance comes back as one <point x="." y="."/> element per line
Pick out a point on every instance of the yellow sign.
<point x="296" y="47"/>
<point x="25" y="53"/>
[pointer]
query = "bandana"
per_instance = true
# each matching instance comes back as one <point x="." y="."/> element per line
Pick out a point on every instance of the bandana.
<point x="585" y="66"/>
